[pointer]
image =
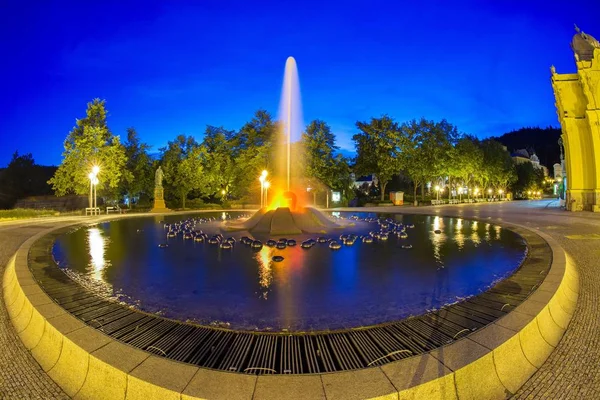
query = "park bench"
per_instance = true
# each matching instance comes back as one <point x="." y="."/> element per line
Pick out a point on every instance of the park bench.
<point x="113" y="209"/>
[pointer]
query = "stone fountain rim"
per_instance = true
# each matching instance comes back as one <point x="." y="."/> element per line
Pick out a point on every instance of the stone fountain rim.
<point x="525" y="336"/>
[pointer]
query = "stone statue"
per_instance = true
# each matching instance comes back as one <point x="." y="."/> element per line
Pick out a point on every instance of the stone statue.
<point x="158" y="178"/>
<point x="560" y="146"/>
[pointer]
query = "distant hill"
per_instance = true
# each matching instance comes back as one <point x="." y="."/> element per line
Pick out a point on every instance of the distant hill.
<point x="542" y="141"/>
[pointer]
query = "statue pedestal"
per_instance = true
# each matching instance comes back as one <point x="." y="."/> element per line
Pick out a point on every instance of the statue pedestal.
<point x="159" y="201"/>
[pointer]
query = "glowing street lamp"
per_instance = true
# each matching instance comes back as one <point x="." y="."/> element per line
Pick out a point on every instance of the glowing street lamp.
<point x="490" y="193"/>
<point x="437" y="189"/>
<point x="500" y="192"/>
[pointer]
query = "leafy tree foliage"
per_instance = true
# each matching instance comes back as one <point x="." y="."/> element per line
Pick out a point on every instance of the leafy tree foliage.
<point x="140" y="177"/>
<point x="528" y="178"/>
<point x="378" y="147"/>
<point x="253" y="150"/>
<point x="499" y="171"/>
<point x="323" y="168"/>
<point x="467" y="161"/>
<point x="221" y="165"/>
<point x="427" y="149"/>
<point x="88" y="144"/>
<point x="182" y="162"/>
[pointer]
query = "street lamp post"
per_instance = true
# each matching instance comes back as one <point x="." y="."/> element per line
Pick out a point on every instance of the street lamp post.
<point x="490" y="193"/>
<point x="437" y="189"/>
<point x="91" y="176"/>
<point x="93" y="183"/>
<point x="267" y="185"/>
<point x="262" y="178"/>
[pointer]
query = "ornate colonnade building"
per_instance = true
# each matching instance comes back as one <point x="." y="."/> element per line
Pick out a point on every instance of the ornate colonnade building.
<point x="578" y="107"/>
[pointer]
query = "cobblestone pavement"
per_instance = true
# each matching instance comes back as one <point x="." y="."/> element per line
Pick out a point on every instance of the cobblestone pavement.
<point x="21" y="377"/>
<point x="571" y="372"/>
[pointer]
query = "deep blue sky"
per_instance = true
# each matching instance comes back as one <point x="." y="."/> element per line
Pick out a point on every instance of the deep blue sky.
<point x="171" y="69"/>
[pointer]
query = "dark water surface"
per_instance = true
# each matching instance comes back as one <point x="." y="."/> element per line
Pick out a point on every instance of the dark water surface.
<point x="314" y="289"/>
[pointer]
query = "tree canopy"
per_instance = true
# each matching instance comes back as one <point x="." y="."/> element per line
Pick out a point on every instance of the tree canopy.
<point x="228" y="161"/>
<point x="379" y="146"/>
<point x="90" y="144"/>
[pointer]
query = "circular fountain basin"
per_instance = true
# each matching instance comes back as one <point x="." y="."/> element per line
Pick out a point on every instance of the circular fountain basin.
<point x="313" y="288"/>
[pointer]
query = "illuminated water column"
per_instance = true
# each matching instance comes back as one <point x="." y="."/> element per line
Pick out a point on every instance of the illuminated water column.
<point x="290" y="118"/>
<point x="289" y="126"/>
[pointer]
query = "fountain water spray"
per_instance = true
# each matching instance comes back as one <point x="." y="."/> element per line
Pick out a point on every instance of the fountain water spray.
<point x="284" y="216"/>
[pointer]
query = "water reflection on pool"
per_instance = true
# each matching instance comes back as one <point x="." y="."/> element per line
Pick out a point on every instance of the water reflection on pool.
<point x="311" y="289"/>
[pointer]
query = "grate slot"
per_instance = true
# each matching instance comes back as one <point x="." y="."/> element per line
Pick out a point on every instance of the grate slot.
<point x="390" y="343"/>
<point x="131" y="331"/>
<point x="263" y="356"/>
<point x="311" y="359"/>
<point x="184" y="350"/>
<point x="236" y="355"/>
<point x="476" y="312"/>
<point x="343" y="352"/>
<point x="152" y="334"/>
<point x="116" y="325"/>
<point x="165" y="343"/>
<point x="291" y="357"/>
<point x="370" y="353"/>
<point x="221" y="341"/>
<point x="100" y="322"/>
<point x="324" y="354"/>
<point x="431" y="335"/>
<point x="448" y="323"/>
<point x="95" y="312"/>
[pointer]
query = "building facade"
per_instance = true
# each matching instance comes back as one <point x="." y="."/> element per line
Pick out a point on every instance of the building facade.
<point x="578" y="108"/>
<point x="522" y="156"/>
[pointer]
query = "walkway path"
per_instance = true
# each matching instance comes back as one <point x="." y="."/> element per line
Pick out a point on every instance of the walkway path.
<point x="21" y="377"/>
<point x="571" y="372"/>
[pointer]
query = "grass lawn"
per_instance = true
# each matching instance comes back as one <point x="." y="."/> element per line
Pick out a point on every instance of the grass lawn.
<point x="24" y="213"/>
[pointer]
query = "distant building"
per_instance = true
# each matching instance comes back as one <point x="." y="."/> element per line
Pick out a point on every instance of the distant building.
<point x="364" y="182"/>
<point x="522" y="156"/>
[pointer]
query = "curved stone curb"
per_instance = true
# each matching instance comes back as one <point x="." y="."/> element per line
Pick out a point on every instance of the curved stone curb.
<point x="491" y="363"/>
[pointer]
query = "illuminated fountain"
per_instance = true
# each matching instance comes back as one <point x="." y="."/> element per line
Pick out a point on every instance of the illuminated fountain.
<point x="288" y="267"/>
<point x="287" y="214"/>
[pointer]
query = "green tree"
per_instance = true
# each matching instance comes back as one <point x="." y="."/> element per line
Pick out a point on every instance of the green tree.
<point x="221" y="164"/>
<point x="498" y="168"/>
<point x="140" y="177"/>
<point x="427" y="150"/>
<point x="378" y="145"/>
<point x="323" y="169"/>
<point x="467" y="161"/>
<point x="182" y="163"/>
<point x="254" y="152"/>
<point x="89" y="144"/>
<point x="528" y="178"/>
